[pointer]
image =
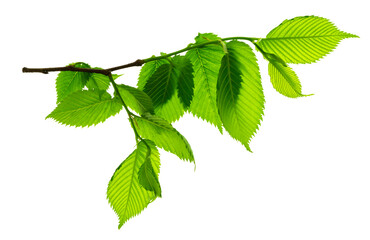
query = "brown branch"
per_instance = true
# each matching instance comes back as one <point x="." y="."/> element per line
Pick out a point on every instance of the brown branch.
<point x="137" y="63"/>
<point x="106" y="72"/>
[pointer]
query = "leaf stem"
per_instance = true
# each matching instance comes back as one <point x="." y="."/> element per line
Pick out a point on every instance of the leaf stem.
<point x="129" y="113"/>
<point x="66" y="68"/>
<point x="130" y="116"/>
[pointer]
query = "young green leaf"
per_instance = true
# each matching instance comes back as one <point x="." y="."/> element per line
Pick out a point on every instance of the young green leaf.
<point x="85" y="108"/>
<point x="240" y="96"/>
<point x="185" y="84"/>
<point x="68" y="81"/>
<point x="148" y="178"/>
<point x="206" y="64"/>
<point x="164" y="135"/>
<point x="284" y="79"/>
<point x="125" y="194"/>
<point x="136" y="99"/>
<point x="303" y="39"/>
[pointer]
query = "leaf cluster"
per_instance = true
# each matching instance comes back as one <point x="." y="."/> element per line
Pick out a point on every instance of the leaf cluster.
<point x="216" y="79"/>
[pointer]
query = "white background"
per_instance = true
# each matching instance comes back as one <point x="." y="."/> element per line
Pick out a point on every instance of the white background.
<point x="308" y="177"/>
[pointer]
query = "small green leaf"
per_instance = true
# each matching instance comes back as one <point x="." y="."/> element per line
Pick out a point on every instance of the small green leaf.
<point x="240" y="96"/>
<point x="125" y="194"/>
<point x="99" y="81"/>
<point x="164" y="135"/>
<point x="85" y="108"/>
<point x="206" y="37"/>
<point x="206" y="64"/>
<point x="148" y="178"/>
<point x="185" y="83"/>
<point x="68" y="81"/>
<point x="136" y="99"/>
<point x="303" y="39"/>
<point x="284" y="79"/>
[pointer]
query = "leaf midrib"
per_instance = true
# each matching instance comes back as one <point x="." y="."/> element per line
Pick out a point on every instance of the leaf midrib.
<point x="319" y="36"/>
<point x="132" y="177"/>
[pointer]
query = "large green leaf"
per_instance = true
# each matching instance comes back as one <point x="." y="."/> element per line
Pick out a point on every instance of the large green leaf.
<point x="240" y="96"/>
<point x="185" y="83"/>
<point x="125" y="194"/>
<point x="303" y="39"/>
<point x="206" y="64"/>
<point x="68" y="81"/>
<point x="85" y="108"/>
<point x="164" y="135"/>
<point x="136" y="99"/>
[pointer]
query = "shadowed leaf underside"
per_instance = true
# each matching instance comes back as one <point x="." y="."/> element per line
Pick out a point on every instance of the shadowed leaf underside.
<point x="240" y="96"/>
<point x="206" y="64"/>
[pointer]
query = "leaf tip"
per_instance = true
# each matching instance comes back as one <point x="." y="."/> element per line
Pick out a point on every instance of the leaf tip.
<point x="249" y="149"/>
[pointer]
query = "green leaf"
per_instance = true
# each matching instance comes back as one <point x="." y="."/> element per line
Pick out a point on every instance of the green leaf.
<point x="136" y="99"/>
<point x="68" y="81"/>
<point x="172" y="110"/>
<point x="125" y="194"/>
<point x="148" y="178"/>
<point x="303" y="39"/>
<point x="185" y="84"/>
<point x="147" y="71"/>
<point x="284" y="79"/>
<point x="164" y="135"/>
<point x="240" y="96"/>
<point x="205" y="37"/>
<point x="161" y="87"/>
<point x="206" y="64"/>
<point x="85" y="108"/>
<point x="99" y="81"/>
